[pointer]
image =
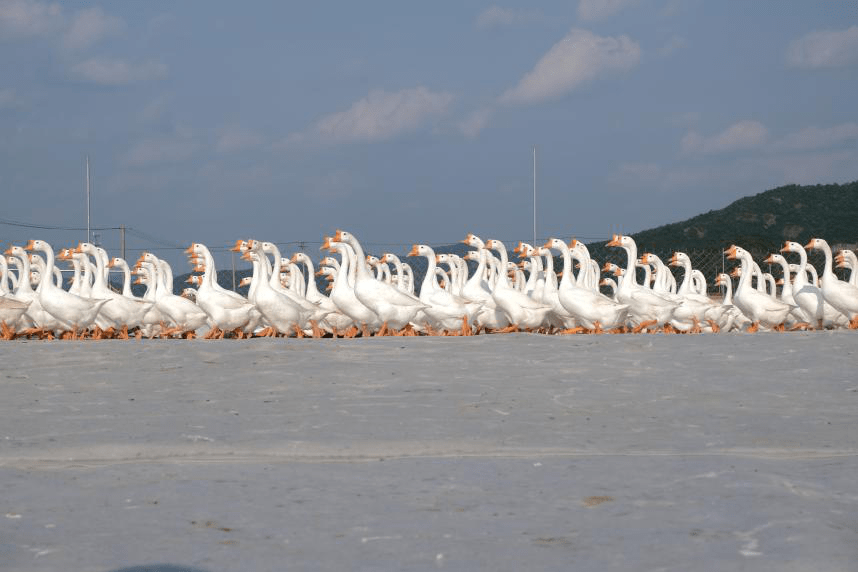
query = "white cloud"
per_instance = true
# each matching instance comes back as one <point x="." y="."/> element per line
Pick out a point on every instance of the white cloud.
<point x="170" y="149"/>
<point x="590" y="10"/>
<point x="825" y="49"/>
<point x="28" y="18"/>
<point x="237" y="139"/>
<point x="90" y="26"/>
<point x="379" y="116"/>
<point x="745" y="134"/>
<point x="475" y="122"/>
<point x="110" y="71"/>
<point x="579" y="57"/>
<point x="497" y="16"/>
<point x="815" y="138"/>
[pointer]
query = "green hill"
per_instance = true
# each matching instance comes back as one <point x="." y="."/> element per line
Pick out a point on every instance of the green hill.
<point x="764" y="221"/>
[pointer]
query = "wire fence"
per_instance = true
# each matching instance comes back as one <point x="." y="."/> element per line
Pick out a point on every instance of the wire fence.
<point x="130" y="243"/>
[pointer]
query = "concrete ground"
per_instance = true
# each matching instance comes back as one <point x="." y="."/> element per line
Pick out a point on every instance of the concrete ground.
<point x="513" y="452"/>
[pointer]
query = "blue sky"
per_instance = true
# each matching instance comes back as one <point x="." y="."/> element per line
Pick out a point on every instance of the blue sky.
<point x="413" y="122"/>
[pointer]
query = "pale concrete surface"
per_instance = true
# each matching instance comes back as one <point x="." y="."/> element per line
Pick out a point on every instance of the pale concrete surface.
<point x="516" y="452"/>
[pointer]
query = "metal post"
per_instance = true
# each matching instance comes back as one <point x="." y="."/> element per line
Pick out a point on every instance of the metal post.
<point x="233" y="272"/>
<point x="534" y="195"/>
<point x="122" y="239"/>
<point x="88" y="235"/>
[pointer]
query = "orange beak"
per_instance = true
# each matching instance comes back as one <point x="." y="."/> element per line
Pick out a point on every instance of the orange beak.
<point x="468" y="239"/>
<point x="572" y="243"/>
<point x="30" y="245"/>
<point x="413" y="251"/>
<point x="731" y="252"/>
<point x="190" y="280"/>
<point x="785" y="247"/>
<point x="111" y="264"/>
<point x="338" y="236"/>
<point x="190" y="249"/>
<point x="769" y="260"/>
<point x="237" y="247"/>
<point x="326" y="243"/>
<point x="809" y="245"/>
<point x="615" y="240"/>
<point x="246" y="256"/>
<point x="294" y="258"/>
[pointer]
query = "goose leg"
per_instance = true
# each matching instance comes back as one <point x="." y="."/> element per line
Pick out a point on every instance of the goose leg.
<point x="364" y="330"/>
<point x="299" y="333"/>
<point x="317" y="331"/>
<point x="466" y="328"/>
<point x="696" y="329"/>
<point x="8" y="333"/>
<point x="643" y="325"/>
<point x="382" y="331"/>
<point x="754" y="328"/>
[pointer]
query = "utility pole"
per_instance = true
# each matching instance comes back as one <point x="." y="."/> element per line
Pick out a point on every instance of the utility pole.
<point x="122" y="239"/>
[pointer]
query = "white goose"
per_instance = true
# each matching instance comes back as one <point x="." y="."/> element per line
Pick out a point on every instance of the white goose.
<point x="761" y="308"/>
<point x="807" y="294"/>
<point x="592" y="310"/>
<point x="73" y="312"/>
<point x="12" y="309"/>
<point x="394" y="308"/>
<point x="646" y="308"/>
<point x="843" y="296"/>
<point x="228" y="311"/>
<point x="444" y="309"/>
<point x="342" y="291"/>
<point x="277" y="309"/>
<point x="334" y="321"/>
<point x="521" y="310"/>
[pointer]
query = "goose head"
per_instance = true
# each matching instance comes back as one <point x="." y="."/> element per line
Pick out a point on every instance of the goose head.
<point x="300" y="257"/>
<point x="421" y="250"/>
<point x="495" y="244"/>
<point x="679" y="259"/>
<point x="555" y="244"/>
<point x="474" y="241"/>
<point x="816" y="243"/>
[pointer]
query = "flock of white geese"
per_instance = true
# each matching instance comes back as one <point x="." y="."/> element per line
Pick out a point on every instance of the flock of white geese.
<point x="378" y="296"/>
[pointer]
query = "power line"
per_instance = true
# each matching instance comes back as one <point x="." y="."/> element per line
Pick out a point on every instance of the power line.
<point x="18" y="223"/>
